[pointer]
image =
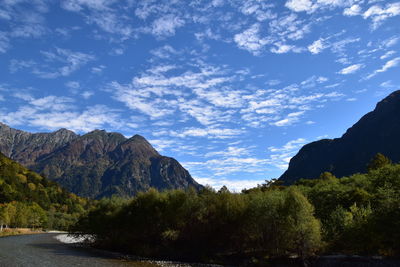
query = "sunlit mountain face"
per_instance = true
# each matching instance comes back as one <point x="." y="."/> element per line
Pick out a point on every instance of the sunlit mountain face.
<point x="231" y="89"/>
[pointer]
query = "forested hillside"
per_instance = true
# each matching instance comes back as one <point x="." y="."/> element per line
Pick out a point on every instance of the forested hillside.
<point x="30" y="200"/>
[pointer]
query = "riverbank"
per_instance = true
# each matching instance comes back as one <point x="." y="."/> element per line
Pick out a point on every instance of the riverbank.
<point x="19" y="231"/>
<point x="82" y="242"/>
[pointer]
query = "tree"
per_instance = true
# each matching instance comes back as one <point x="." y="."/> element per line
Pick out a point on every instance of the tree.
<point x="327" y="176"/>
<point x="37" y="216"/>
<point x="303" y="230"/>
<point x="378" y="161"/>
<point x="7" y="213"/>
<point x="4" y="218"/>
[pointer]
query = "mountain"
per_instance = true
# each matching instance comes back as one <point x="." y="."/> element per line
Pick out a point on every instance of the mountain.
<point x="96" y="164"/>
<point x="26" y="147"/>
<point x="376" y="132"/>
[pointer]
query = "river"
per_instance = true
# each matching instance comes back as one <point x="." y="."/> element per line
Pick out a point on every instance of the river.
<point x="44" y="250"/>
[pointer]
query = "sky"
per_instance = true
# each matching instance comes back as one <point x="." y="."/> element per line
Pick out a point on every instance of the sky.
<point x="231" y="89"/>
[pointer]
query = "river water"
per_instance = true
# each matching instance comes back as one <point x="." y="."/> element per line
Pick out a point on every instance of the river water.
<point x="45" y="250"/>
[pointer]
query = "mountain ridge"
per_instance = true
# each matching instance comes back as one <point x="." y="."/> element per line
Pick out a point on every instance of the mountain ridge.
<point x="95" y="164"/>
<point x="376" y="132"/>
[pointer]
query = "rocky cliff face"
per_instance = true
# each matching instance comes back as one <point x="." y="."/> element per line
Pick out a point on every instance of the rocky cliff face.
<point x="96" y="164"/>
<point x="376" y="132"/>
<point x="26" y="147"/>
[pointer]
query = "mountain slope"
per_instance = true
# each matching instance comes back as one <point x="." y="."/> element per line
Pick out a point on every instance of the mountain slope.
<point x="376" y="132"/>
<point x="28" y="199"/>
<point x="96" y="164"/>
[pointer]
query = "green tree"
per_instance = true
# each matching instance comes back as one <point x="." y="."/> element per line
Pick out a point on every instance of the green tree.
<point x="327" y="176"/>
<point x="5" y="216"/>
<point x="37" y="216"/>
<point x="303" y="230"/>
<point x="378" y="161"/>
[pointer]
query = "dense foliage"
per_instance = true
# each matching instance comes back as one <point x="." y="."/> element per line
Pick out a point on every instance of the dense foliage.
<point x="206" y="225"/>
<point x="29" y="200"/>
<point x="361" y="213"/>
<point x="357" y="214"/>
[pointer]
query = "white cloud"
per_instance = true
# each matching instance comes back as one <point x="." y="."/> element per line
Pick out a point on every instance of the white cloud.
<point x="388" y="65"/>
<point x="53" y="103"/>
<point x="198" y="94"/>
<point x="102" y="13"/>
<point x="387" y="84"/>
<point x="280" y="156"/>
<point x="161" y="144"/>
<point x="289" y="120"/>
<point x="310" y="6"/>
<point x="137" y="99"/>
<point x="289" y="27"/>
<point x="117" y="51"/>
<point x="78" y="5"/>
<point x="166" y="25"/>
<point x="378" y="14"/>
<point x="16" y="65"/>
<point x="87" y="94"/>
<point x="339" y="47"/>
<point x="231" y="151"/>
<point x="317" y="46"/>
<point x="313" y="81"/>
<point x="260" y="10"/>
<point x="207" y="34"/>
<point x="391" y="41"/>
<point x="23" y="19"/>
<point x="270" y="108"/>
<point x="284" y="48"/>
<point x="232" y="185"/>
<point x="228" y="165"/>
<point x="4" y="42"/>
<point x="279" y="33"/>
<point x="388" y="54"/>
<point x="73" y="84"/>
<point x="299" y="5"/>
<point x="164" y="52"/>
<point x="250" y="40"/>
<point x="221" y="98"/>
<point x="351" y="69"/>
<point x="354" y="10"/>
<point x="212" y="133"/>
<point x="99" y="69"/>
<point x="203" y="113"/>
<point x="70" y="62"/>
<point x="54" y="112"/>
<point x="29" y="31"/>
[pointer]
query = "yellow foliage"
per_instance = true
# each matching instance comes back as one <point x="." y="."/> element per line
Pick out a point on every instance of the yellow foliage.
<point x="32" y="186"/>
<point x="22" y="178"/>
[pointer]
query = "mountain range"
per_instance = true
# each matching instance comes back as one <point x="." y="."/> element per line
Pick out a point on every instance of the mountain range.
<point x="376" y="132"/>
<point x="96" y="164"/>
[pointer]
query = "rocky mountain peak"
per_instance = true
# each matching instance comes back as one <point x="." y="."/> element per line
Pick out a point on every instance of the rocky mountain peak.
<point x="136" y="146"/>
<point x="95" y="164"/>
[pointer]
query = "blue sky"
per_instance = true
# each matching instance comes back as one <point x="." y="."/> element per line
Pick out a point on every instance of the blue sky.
<point x="232" y="89"/>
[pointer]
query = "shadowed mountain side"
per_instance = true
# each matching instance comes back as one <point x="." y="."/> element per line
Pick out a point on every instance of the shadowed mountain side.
<point x="96" y="164"/>
<point x="376" y="132"/>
